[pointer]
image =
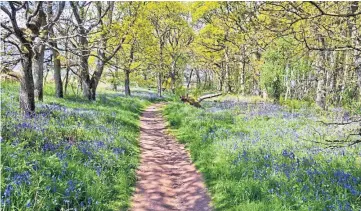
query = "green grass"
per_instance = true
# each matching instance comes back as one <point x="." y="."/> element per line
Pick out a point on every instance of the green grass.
<point x="74" y="154"/>
<point x="263" y="162"/>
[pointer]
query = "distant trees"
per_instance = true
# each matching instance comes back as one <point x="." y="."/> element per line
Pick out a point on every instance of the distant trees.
<point x="320" y="62"/>
<point x="328" y="34"/>
<point x="298" y="50"/>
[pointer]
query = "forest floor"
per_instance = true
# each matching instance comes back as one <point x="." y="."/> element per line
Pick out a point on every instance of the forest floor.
<point x="167" y="179"/>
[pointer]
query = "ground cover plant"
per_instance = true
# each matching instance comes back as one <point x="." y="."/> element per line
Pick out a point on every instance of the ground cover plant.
<point x="263" y="156"/>
<point x="72" y="155"/>
<point x="86" y="69"/>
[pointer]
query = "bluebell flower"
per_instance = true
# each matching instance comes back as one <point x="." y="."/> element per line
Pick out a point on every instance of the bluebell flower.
<point x="8" y="190"/>
<point x="118" y="151"/>
<point x="99" y="170"/>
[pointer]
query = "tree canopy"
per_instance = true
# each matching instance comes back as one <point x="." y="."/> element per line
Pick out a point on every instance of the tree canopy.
<point x="283" y="50"/>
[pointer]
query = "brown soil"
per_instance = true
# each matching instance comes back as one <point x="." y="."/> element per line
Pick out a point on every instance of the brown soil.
<point x="167" y="180"/>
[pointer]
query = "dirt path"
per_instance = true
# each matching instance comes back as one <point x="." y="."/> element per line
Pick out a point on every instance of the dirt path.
<point x="167" y="180"/>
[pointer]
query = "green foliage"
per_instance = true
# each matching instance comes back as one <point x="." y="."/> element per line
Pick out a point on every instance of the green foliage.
<point x="280" y="64"/>
<point x="295" y="104"/>
<point x="263" y="163"/>
<point x="73" y="154"/>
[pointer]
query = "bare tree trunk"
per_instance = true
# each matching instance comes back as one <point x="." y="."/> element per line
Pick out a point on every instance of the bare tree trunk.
<point x="66" y="80"/>
<point x="160" y="75"/>
<point x="94" y="81"/>
<point x="243" y="75"/>
<point x="227" y="71"/>
<point x="189" y="79"/>
<point x="55" y="56"/>
<point x="334" y="76"/>
<point x="221" y="78"/>
<point x="115" y="86"/>
<point x="38" y="58"/>
<point x="198" y="78"/>
<point x="84" y="51"/>
<point x="127" y="82"/>
<point x="57" y="70"/>
<point x="287" y="82"/>
<point x="205" y="79"/>
<point x="256" y="89"/>
<point x="38" y="69"/>
<point x="114" y="79"/>
<point x="85" y="79"/>
<point x="159" y="88"/>
<point x="96" y="78"/>
<point x="357" y="62"/>
<point x="172" y="76"/>
<point x="357" y="53"/>
<point x="57" y="74"/>
<point x="321" y="88"/>
<point x="115" y="75"/>
<point x="84" y="66"/>
<point x="26" y="97"/>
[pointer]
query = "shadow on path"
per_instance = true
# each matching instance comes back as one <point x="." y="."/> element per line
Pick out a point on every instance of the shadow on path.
<point x="167" y="180"/>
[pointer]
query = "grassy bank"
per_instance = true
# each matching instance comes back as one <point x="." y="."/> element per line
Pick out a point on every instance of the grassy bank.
<point x="73" y="155"/>
<point x="263" y="157"/>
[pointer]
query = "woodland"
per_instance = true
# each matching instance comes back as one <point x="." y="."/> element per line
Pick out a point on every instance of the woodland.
<point x="266" y="96"/>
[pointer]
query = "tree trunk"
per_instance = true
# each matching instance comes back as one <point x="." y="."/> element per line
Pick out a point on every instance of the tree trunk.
<point x="38" y="71"/>
<point x="227" y="71"/>
<point x="57" y="74"/>
<point x="114" y="79"/>
<point x="220" y="85"/>
<point x="205" y="79"/>
<point x="243" y="64"/>
<point x="189" y="80"/>
<point x="172" y="76"/>
<point x="321" y="88"/>
<point x="85" y="79"/>
<point x="198" y="78"/>
<point x="159" y="84"/>
<point x="160" y="75"/>
<point x="256" y="76"/>
<point x="84" y="66"/>
<point x="115" y="75"/>
<point x="94" y="82"/>
<point x="55" y="56"/>
<point x="287" y="82"/>
<point x="334" y="76"/>
<point x="26" y="97"/>
<point x="357" y="53"/>
<point x="357" y="62"/>
<point x="66" y="80"/>
<point x="127" y="82"/>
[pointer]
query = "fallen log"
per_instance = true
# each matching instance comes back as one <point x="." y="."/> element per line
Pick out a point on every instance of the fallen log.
<point x="196" y="103"/>
<point x="208" y="96"/>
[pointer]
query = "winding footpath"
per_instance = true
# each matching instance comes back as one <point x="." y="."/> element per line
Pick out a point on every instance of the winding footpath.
<point x="166" y="178"/>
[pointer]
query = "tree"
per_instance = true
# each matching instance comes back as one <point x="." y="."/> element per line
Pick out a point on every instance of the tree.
<point x="54" y="47"/>
<point x="165" y="18"/>
<point x="29" y="42"/>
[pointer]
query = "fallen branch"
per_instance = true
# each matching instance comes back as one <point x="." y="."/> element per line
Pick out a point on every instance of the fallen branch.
<point x="196" y="103"/>
<point x="208" y="96"/>
<point x="340" y="123"/>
